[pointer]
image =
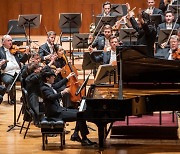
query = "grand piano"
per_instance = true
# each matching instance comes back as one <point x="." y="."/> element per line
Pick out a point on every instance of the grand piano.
<point x="145" y="84"/>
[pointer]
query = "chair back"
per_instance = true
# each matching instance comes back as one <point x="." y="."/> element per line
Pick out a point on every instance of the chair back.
<point x="16" y="30"/>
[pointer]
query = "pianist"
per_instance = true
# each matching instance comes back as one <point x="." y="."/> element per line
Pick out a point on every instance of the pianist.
<point x="54" y="111"/>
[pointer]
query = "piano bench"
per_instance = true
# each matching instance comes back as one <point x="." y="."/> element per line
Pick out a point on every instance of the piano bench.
<point x="52" y="127"/>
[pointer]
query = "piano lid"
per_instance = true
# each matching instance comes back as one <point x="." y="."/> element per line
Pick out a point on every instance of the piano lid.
<point x="137" y="66"/>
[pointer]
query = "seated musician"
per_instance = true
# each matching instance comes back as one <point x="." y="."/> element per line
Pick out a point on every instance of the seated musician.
<point x="106" y="10"/>
<point x="102" y="41"/>
<point x="168" y="24"/>
<point x="59" y="62"/>
<point x="12" y="67"/>
<point x="54" y="111"/>
<point x="33" y="82"/>
<point x="152" y="9"/>
<point x="170" y="53"/>
<point x="47" y="49"/>
<point x="108" y="57"/>
<point x="146" y="32"/>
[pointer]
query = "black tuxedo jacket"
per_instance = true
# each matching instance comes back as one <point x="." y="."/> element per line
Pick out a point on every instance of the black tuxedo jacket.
<point x="51" y="100"/>
<point x="44" y="50"/>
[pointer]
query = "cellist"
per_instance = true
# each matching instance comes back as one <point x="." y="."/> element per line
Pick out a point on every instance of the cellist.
<point x="58" y="62"/>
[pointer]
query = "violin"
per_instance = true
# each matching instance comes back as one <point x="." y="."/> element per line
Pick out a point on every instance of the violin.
<point x="176" y="54"/>
<point x="15" y="49"/>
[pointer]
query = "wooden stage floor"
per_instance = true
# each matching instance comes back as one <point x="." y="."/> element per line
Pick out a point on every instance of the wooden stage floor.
<point x="13" y="143"/>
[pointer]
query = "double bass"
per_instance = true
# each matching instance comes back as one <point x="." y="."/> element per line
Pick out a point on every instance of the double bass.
<point x="73" y="82"/>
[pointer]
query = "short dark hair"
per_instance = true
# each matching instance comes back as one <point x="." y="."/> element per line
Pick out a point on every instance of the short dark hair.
<point x="107" y="3"/>
<point x="112" y="37"/>
<point x="169" y="11"/>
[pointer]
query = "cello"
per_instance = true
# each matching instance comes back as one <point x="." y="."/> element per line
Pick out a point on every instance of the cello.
<point x="73" y="82"/>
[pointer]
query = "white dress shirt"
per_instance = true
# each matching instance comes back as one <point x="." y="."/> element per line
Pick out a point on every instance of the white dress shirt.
<point x="113" y="56"/>
<point x="12" y="65"/>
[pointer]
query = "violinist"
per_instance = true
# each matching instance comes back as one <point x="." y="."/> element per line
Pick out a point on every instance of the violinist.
<point x="168" y="24"/>
<point x="102" y="41"/>
<point x="106" y="10"/>
<point x="152" y="9"/>
<point x="168" y="53"/>
<point x="12" y="67"/>
<point x="108" y="57"/>
<point x="47" y="49"/>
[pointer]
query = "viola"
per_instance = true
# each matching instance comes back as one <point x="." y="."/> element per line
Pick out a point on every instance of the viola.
<point x="176" y="54"/>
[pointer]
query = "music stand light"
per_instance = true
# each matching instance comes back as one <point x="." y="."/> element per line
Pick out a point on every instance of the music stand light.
<point x="164" y="35"/>
<point x="71" y="21"/>
<point x="88" y="63"/>
<point x="30" y="21"/>
<point x="105" y="74"/>
<point x="104" y="21"/>
<point x="128" y="35"/>
<point x="119" y="10"/>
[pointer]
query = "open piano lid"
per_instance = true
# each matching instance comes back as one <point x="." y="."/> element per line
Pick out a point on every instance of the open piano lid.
<point x="137" y="66"/>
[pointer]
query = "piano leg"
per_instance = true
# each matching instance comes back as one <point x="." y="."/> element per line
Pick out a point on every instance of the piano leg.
<point x="101" y="135"/>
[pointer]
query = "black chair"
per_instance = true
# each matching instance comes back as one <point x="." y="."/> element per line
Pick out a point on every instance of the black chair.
<point x="14" y="29"/>
<point x="28" y="112"/>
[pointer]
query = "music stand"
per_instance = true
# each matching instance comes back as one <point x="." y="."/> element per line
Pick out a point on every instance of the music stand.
<point x="88" y="63"/>
<point x="156" y="19"/>
<point x="164" y="35"/>
<point x="104" y="21"/>
<point x="80" y="41"/>
<point x="119" y="10"/>
<point x="106" y="73"/>
<point x="128" y="35"/>
<point x="30" y="21"/>
<point x="70" y="20"/>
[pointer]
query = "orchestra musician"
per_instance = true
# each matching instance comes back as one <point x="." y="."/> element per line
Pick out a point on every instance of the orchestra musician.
<point x="13" y="66"/>
<point x="108" y="57"/>
<point x="47" y="49"/>
<point x="167" y="53"/>
<point x="152" y="9"/>
<point x="106" y="10"/>
<point x="168" y="24"/>
<point x="102" y="41"/>
<point x="59" y="62"/>
<point x="54" y="111"/>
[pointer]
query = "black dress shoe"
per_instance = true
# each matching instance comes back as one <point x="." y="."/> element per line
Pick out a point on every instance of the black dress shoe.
<point x="87" y="142"/>
<point x="75" y="137"/>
